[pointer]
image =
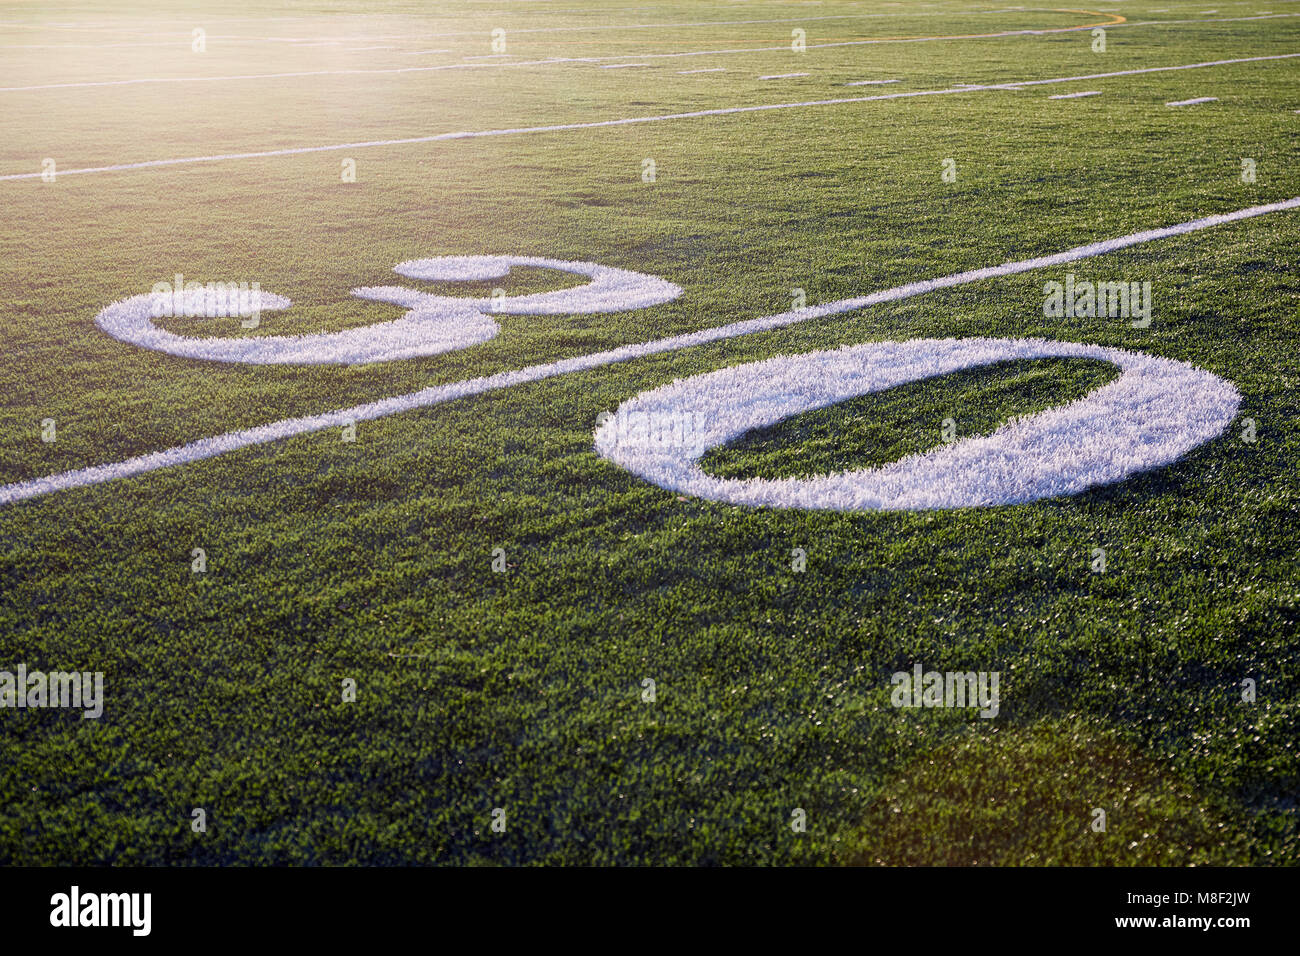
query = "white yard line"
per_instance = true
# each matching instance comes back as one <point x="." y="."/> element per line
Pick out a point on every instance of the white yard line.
<point x="1192" y="102"/>
<point x="274" y="431"/>
<point x="628" y="121"/>
<point x="561" y="60"/>
<point x="1075" y="96"/>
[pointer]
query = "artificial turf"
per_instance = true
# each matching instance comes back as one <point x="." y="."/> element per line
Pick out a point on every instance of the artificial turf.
<point x="522" y="689"/>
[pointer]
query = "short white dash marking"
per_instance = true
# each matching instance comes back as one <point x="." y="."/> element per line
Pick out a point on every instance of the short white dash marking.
<point x="1075" y="96"/>
<point x="869" y="82"/>
<point x="781" y="76"/>
<point x="1199" y="99"/>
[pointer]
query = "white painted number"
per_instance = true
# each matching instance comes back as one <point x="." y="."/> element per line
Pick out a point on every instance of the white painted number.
<point x="432" y="325"/>
<point x="1155" y="412"/>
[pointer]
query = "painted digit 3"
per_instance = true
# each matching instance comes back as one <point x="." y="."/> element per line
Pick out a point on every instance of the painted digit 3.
<point x="432" y="325"/>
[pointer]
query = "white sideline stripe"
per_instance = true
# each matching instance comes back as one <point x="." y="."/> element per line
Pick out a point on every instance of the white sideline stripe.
<point x="1075" y="96"/>
<point x="1149" y="69"/>
<point x="289" y="427"/>
<point x="243" y="38"/>
<point x="1261" y="15"/>
<point x="869" y="82"/>
<point x="782" y="76"/>
<point x="628" y="121"/>
<point x="586" y="59"/>
<point x="296" y="74"/>
<point x="1199" y="99"/>
<point x="1253" y="16"/>
<point x="514" y="30"/>
<point x="712" y="69"/>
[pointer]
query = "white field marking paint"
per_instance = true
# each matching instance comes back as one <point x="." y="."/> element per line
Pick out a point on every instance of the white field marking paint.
<point x="620" y="66"/>
<point x="421" y="52"/>
<point x="423" y="330"/>
<point x="238" y="38"/>
<point x="712" y="69"/>
<point x="994" y="36"/>
<point x="1199" y="99"/>
<point x="1153" y="414"/>
<point x="1163" y="23"/>
<point x="289" y="427"/>
<point x="920" y="39"/>
<point x="475" y="64"/>
<point x="610" y="289"/>
<point x="782" y="76"/>
<point x="1075" y="96"/>
<point x="515" y="30"/>
<point x="628" y="121"/>
<point x="225" y="39"/>
<point x="1013" y="87"/>
<point x="433" y="325"/>
<point x="869" y="82"/>
<point x="295" y="74"/>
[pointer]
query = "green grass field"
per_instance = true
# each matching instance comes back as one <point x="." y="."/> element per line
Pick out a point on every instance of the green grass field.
<point x="522" y="690"/>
